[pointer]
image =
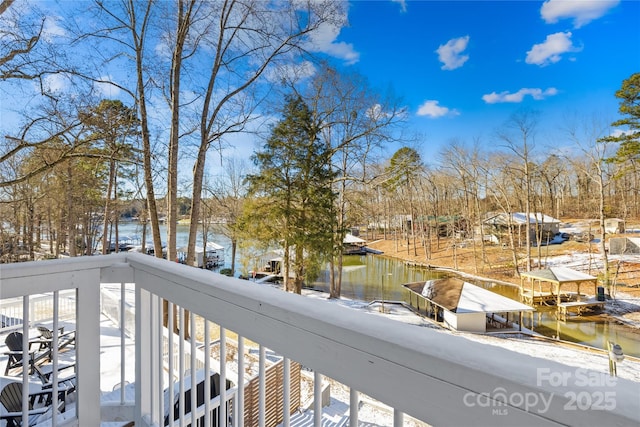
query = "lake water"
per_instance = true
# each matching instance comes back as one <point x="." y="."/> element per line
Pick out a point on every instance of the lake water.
<point x="374" y="277"/>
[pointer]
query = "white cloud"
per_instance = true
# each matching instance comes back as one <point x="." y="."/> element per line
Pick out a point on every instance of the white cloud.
<point x="290" y="72"/>
<point x="450" y="53"/>
<point x="323" y="39"/>
<point x="51" y="29"/>
<point x="550" y="51"/>
<point x="403" y="4"/>
<point x="616" y="133"/>
<point x="430" y="108"/>
<point x="582" y="12"/>
<point x="106" y="90"/>
<point x="535" y="93"/>
<point x="54" y="83"/>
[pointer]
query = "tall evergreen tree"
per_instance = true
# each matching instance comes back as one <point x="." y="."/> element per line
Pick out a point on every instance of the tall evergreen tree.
<point x="111" y="123"/>
<point x="629" y="95"/>
<point x="295" y="201"/>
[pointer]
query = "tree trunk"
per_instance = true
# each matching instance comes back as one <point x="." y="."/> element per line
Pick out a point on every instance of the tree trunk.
<point x="71" y="229"/>
<point x="107" y="208"/>
<point x="234" y="247"/>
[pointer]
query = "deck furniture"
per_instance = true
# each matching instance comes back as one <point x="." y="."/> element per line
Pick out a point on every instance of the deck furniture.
<point x="67" y="380"/>
<point x="11" y="399"/>
<point x="64" y="338"/>
<point x="15" y="354"/>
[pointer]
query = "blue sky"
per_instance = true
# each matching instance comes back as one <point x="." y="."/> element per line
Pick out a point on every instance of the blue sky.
<point x="462" y="67"/>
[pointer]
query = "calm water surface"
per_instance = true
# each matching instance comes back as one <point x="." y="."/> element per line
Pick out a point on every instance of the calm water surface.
<point x="372" y="277"/>
<point x="363" y="277"/>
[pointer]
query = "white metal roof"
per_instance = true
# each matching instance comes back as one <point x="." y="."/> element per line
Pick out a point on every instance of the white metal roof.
<point x="474" y="299"/>
<point x="521" y="217"/>
<point x="559" y="275"/>
<point x="350" y="238"/>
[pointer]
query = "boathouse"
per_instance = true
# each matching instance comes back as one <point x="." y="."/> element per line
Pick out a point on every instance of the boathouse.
<point x="544" y="287"/>
<point x="353" y="245"/>
<point x="463" y="306"/>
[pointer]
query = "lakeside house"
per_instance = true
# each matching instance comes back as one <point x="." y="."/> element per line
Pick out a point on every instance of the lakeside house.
<point x="496" y="227"/>
<point x="614" y="226"/>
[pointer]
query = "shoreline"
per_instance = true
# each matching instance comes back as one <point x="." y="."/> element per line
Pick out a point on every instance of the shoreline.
<point x="624" y="303"/>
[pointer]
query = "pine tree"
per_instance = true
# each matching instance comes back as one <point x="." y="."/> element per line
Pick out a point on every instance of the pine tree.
<point x="629" y="95"/>
<point x="295" y="202"/>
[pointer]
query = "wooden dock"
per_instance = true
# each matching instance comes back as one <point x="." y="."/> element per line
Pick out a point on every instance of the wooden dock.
<point x="578" y="307"/>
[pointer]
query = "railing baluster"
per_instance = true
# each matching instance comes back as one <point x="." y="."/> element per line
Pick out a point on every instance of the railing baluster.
<point x="54" y="356"/>
<point x="123" y="319"/>
<point x="160" y="357"/>
<point x="181" y="323"/>
<point x="26" y="360"/>
<point x="261" y="387"/>
<point x="398" y="418"/>
<point x="317" y="398"/>
<point x="223" y="378"/>
<point x="193" y="369"/>
<point x="207" y="369"/>
<point x="354" y="404"/>
<point x="240" y="399"/>
<point x="170" y="354"/>
<point x="286" y="392"/>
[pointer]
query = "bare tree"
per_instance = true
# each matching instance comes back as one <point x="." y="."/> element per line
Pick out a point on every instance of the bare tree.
<point x="127" y="26"/>
<point x="247" y="38"/>
<point x="186" y="9"/>
<point x="228" y="193"/>
<point x="519" y="137"/>
<point x="466" y="165"/>
<point x="353" y="121"/>
<point x="587" y="135"/>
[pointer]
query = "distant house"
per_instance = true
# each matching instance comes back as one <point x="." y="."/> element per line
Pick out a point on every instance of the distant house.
<point x="614" y="226"/>
<point x="538" y="225"/>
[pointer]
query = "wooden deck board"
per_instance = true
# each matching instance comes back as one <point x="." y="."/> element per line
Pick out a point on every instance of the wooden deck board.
<point x="578" y="307"/>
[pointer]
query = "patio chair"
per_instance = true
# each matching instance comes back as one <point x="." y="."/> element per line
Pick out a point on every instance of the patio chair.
<point x="64" y="338"/>
<point x="15" y="354"/>
<point x="11" y="399"/>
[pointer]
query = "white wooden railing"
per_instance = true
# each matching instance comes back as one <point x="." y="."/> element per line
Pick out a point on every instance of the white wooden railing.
<point x="432" y="376"/>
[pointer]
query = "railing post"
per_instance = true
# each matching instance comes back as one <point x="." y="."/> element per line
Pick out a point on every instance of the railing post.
<point x="88" y="347"/>
<point x="143" y="353"/>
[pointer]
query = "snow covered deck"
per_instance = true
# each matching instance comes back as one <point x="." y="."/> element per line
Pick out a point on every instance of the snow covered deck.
<point x="436" y="377"/>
